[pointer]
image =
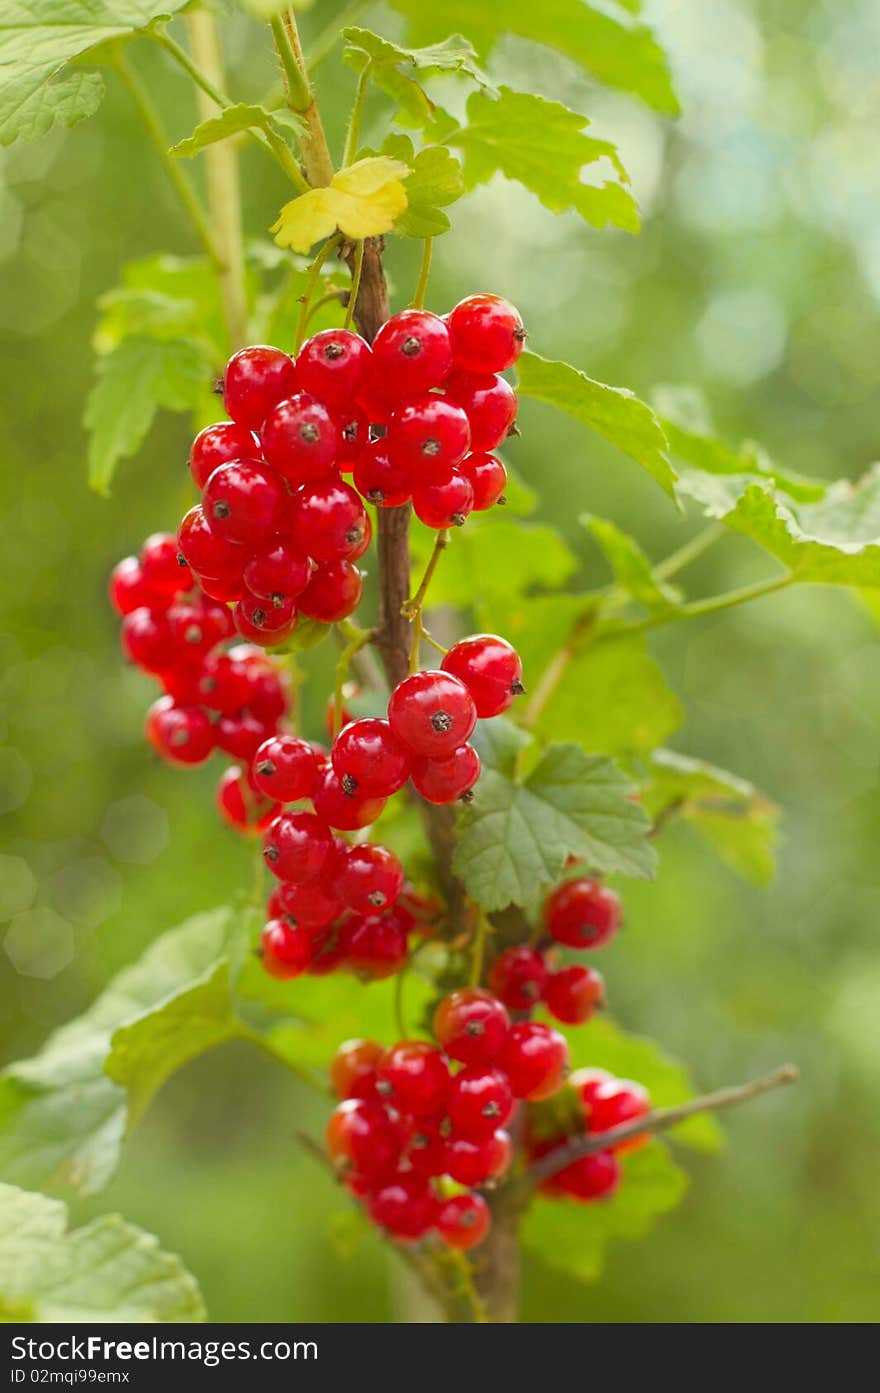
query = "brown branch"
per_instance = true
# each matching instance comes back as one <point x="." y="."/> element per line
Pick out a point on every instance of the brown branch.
<point x="587" y="1144"/>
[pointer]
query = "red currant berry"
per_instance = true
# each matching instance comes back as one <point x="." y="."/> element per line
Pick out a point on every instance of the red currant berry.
<point x="357" y="552"/>
<point x="361" y="1135"/>
<point x="267" y="698"/>
<point x="197" y="624"/>
<point x="411" y="354"/>
<point x="369" y="758"/>
<point x="477" y="1162"/>
<point x="449" y="779"/>
<point x="480" y="1101"/>
<point x="490" y="404"/>
<point x="582" y="913"/>
<point x="220" y="444"/>
<point x="471" y="1024"/>
<point x="208" y="553"/>
<point x="147" y="641"/>
<point x="380" y="479"/>
<point x="432" y="713"/>
<point x="161" y="566"/>
<point x="301" y="439"/>
<point x="128" y="589"/>
<point x="328" y="951"/>
<point x="240" y="806"/>
<point x="182" y="680"/>
<point x="519" y="977"/>
<point x="225" y="589"/>
<point x="488" y="479"/>
<point x="354" y="436"/>
<point x="242" y="501"/>
<point x="414" y="1078"/>
<point x="370" y="880"/>
<point x="614" y="1102"/>
<point x="374" y="946"/>
<point x="573" y="993"/>
<point x="256" y="379"/>
<point x="491" y="670"/>
<point x="240" y="736"/>
<point x="449" y="504"/>
<point x="333" y="593"/>
<point x="257" y="624"/>
<point x="329" y="520"/>
<point x="223" y="684"/>
<point x="340" y="809"/>
<point x="463" y="1221"/>
<point x="180" y="734"/>
<point x="285" y="768"/>
<point x="331" y="365"/>
<point x="405" y="1207"/>
<point x="427" y="1150"/>
<point x="586" y="1081"/>
<point x="296" y="846"/>
<point x="286" y="951"/>
<point x="428" y="437"/>
<point x="313" y="905"/>
<point x="593" y="1177"/>
<point x="487" y="333"/>
<point x="279" y="571"/>
<point x="353" y="1069"/>
<point x="535" y="1059"/>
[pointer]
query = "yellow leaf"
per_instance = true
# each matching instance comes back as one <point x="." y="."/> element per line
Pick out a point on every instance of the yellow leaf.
<point x="369" y="176"/>
<point x="363" y="200"/>
<point x="306" y="220"/>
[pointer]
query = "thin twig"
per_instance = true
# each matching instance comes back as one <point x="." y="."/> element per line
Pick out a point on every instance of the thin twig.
<point x="660" y="1120"/>
<point x="421" y="289"/>
<point x="224" y="189"/>
<point x="187" y="195"/>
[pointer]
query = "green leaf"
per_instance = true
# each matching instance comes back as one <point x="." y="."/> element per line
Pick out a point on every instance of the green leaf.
<point x="435" y="182"/>
<point x="38" y="37"/>
<point x="613" y="697"/>
<point x="62" y="1118"/>
<point x="835" y="541"/>
<point x="602" y="1044"/>
<point x="738" y="822"/>
<point x="633" y="572"/>
<point x="629" y="708"/>
<point x="144" y="1054"/>
<point x="166" y="297"/>
<point x="612" y="49"/>
<point x="575" y="1237"/>
<point x="106" y="1270"/>
<point x="233" y="120"/>
<point x="493" y="555"/>
<point x="612" y="412"/>
<point x="134" y="380"/>
<point x="516" y="835"/>
<point x="542" y="145"/>
<point x="320" y="1012"/>
<point x="392" y="69"/>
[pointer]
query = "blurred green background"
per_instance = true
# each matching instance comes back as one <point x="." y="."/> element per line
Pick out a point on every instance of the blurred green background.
<point x="757" y="276"/>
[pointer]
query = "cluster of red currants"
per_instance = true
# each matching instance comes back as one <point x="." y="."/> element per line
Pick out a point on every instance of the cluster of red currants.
<point x="338" y="904"/>
<point x="602" y="1102"/>
<point x="422" y="1128"/>
<point x="278" y="530"/>
<point x="580" y="913"/>
<point x="216" y="697"/>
